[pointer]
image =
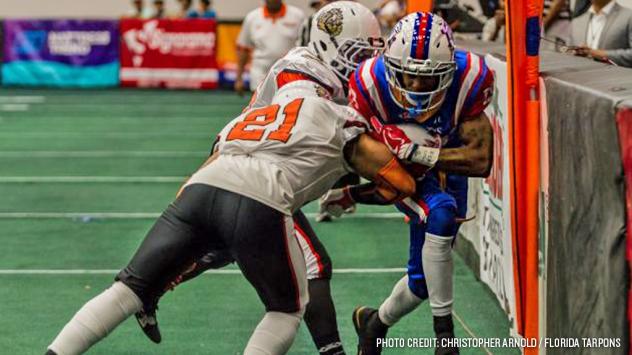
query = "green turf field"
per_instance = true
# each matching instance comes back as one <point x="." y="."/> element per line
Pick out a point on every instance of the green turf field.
<point x="84" y="173"/>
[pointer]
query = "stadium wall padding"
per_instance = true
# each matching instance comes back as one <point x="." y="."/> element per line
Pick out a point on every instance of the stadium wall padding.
<point x="624" y="125"/>
<point x="587" y="276"/>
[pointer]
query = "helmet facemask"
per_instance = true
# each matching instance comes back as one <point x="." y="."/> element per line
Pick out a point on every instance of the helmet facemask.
<point x="421" y="102"/>
<point x="352" y="52"/>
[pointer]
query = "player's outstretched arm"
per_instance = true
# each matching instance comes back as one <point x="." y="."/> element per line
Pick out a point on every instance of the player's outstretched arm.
<point x="474" y="158"/>
<point x="373" y="160"/>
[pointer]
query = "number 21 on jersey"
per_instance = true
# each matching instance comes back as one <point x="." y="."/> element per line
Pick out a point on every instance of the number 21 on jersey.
<point x="254" y="125"/>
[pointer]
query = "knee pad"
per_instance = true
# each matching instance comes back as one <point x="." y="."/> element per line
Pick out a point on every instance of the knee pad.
<point x="442" y="221"/>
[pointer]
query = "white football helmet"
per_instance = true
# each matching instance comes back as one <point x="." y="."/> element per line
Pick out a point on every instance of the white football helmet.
<point x="343" y="34"/>
<point x="421" y="44"/>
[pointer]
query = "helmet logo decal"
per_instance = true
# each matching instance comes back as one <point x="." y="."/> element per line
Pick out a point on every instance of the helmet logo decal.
<point x="330" y="22"/>
<point x="321" y="91"/>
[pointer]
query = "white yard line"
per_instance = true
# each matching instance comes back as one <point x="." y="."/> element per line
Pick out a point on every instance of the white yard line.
<point x="153" y="215"/>
<point x="469" y="331"/>
<point x="90" y="179"/>
<point x="226" y="272"/>
<point x="101" y="135"/>
<point x="14" y="107"/>
<point x="87" y="116"/>
<point x="100" y="154"/>
<point x="22" y="99"/>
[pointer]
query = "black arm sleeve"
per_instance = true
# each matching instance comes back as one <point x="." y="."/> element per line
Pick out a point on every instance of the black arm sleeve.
<point x="368" y="194"/>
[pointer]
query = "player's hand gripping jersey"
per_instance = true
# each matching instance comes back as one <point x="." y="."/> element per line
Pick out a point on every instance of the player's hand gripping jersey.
<point x="286" y="154"/>
<point x="467" y="96"/>
<point x="299" y="64"/>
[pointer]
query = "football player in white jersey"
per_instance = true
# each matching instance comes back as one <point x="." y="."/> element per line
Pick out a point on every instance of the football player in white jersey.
<point x="267" y="164"/>
<point x="343" y="34"/>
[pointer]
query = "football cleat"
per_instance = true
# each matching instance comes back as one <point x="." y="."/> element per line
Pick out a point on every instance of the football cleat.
<point x="444" y="329"/>
<point x="369" y="328"/>
<point x="148" y="322"/>
<point x="50" y="352"/>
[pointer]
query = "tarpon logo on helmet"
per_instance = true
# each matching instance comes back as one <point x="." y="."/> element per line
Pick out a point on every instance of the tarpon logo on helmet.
<point x="331" y="22"/>
<point x="344" y="34"/>
<point x="322" y="92"/>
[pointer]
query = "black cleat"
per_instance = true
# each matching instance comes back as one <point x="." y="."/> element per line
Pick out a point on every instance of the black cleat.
<point x="50" y="352"/>
<point x="369" y="328"/>
<point x="148" y="322"/>
<point x="444" y="329"/>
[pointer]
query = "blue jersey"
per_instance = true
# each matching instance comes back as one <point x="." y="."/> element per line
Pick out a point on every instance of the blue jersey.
<point x="467" y="96"/>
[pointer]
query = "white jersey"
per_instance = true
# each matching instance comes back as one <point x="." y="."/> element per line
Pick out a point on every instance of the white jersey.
<point x="269" y="36"/>
<point x="286" y="154"/>
<point x="299" y="64"/>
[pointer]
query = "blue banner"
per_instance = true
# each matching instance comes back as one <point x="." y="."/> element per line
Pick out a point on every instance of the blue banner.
<point x="63" y="53"/>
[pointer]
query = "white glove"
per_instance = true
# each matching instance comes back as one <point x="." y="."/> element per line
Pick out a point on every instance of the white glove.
<point x="336" y="201"/>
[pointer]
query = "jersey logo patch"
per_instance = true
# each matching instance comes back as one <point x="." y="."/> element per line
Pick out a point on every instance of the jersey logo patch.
<point x="330" y="22"/>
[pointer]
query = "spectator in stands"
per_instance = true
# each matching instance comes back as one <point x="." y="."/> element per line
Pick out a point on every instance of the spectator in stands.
<point x="267" y="33"/>
<point x="315" y="5"/>
<point x="494" y="28"/>
<point x="389" y="12"/>
<point x="159" y="9"/>
<point x="138" y="10"/>
<point x="604" y="33"/>
<point x="185" y="9"/>
<point x="206" y="10"/>
<point x="580" y="7"/>
<point x="557" y="23"/>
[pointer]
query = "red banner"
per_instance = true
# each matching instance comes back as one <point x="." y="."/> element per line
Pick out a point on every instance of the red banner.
<point x="168" y="53"/>
<point x="624" y="123"/>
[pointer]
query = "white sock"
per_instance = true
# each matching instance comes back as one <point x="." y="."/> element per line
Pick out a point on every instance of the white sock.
<point x="274" y="334"/>
<point x="438" y="269"/>
<point x="401" y="302"/>
<point x="96" y="319"/>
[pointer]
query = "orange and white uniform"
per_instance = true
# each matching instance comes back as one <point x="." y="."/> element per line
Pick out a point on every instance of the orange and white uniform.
<point x="270" y="37"/>
<point x="299" y="64"/>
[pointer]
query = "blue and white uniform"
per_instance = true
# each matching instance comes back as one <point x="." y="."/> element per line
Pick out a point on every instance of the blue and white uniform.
<point x="434" y="208"/>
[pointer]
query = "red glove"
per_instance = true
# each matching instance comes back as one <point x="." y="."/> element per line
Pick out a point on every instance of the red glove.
<point x="402" y="147"/>
<point x="337" y="201"/>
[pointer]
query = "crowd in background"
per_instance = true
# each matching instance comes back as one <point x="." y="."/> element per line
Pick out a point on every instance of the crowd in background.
<point x="202" y="9"/>
<point x="598" y="29"/>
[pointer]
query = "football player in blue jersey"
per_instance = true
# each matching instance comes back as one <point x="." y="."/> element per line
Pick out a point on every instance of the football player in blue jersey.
<point x="422" y="80"/>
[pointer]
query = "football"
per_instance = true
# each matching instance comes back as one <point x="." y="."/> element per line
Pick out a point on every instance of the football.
<point x="421" y="136"/>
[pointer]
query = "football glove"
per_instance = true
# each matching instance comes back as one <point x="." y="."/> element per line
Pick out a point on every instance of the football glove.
<point x="401" y="146"/>
<point x="337" y="201"/>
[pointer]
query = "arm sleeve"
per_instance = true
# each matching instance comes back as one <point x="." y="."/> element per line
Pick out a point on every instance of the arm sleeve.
<point x="481" y="94"/>
<point x="357" y="98"/>
<point x="368" y="194"/>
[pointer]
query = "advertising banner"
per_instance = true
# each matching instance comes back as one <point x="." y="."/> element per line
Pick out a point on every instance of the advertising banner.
<point x="66" y="53"/>
<point x="169" y="53"/>
<point x="624" y="125"/>
<point x="493" y="207"/>
<point x="227" y="33"/>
